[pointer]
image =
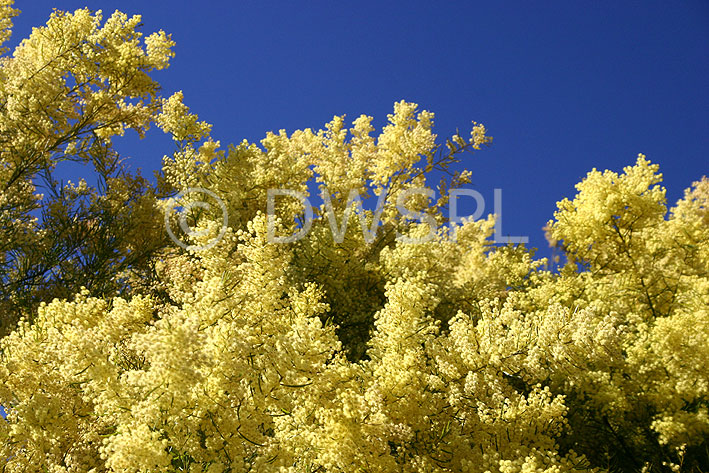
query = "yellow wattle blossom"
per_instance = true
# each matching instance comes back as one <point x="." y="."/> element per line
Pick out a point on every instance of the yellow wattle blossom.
<point x="324" y="355"/>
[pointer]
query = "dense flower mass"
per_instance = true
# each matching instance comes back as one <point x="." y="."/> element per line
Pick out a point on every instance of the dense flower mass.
<point x="123" y="352"/>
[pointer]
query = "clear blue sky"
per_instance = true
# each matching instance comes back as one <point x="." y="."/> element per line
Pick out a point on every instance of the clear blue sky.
<point x="562" y="86"/>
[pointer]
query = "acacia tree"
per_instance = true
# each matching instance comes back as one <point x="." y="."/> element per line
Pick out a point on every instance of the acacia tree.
<point x="361" y="354"/>
<point x="65" y="94"/>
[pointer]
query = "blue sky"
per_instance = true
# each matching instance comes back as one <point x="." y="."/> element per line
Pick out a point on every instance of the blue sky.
<point x="563" y="87"/>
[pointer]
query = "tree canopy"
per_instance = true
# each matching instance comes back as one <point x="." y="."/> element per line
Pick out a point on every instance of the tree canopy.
<point x="125" y="352"/>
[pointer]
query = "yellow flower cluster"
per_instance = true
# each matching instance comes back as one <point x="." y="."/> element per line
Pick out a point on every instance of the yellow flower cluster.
<point x="450" y="355"/>
<point x="65" y="93"/>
